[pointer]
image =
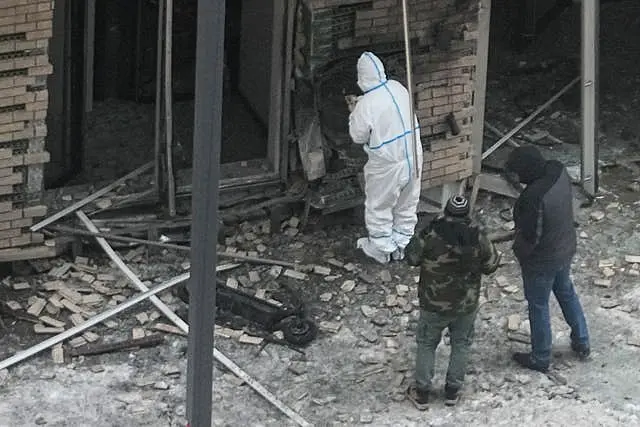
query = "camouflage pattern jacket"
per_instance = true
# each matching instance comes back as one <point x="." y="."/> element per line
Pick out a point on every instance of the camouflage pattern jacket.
<point x="453" y="254"/>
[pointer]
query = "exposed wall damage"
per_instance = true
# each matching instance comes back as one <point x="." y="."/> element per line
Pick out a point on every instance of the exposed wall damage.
<point x="332" y="34"/>
<point x="25" y="29"/>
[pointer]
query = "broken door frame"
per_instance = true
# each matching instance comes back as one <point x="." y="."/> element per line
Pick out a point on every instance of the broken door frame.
<point x="278" y="132"/>
<point x="280" y="97"/>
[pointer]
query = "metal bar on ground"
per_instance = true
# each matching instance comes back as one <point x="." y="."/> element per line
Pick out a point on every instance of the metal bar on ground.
<point x="130" y="274"/>
<point x="590" y="88"/>
<point x="48" y="343"/>
<point x="125" y="239"/>
<point x="158" y="100"/>
<point x="407" y="50"/>
<point x="111" y="347"/>
<point x="528" y="119"/>
<point x="117" y="238"/>
<point x="90" y="198"/>
<point x="168" y="107"/>
<point x="164" y="309"/>
<point x="229" y="364"/>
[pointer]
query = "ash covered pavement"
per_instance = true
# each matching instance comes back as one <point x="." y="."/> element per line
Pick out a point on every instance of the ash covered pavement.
<point x="357" y="369"/>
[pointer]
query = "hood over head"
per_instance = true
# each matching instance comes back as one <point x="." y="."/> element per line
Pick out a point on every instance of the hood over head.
<point x="370" y="72"/>
<point x="527" y="163"/>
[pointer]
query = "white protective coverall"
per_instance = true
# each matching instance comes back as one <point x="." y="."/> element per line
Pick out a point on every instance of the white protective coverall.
<point x="380" y="122"/>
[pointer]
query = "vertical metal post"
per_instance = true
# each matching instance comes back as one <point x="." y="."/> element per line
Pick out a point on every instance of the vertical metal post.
<point x="158" y="113"/>
<point x="168" y="107"/>
<point x="89" y="49"/>
<point x="407" y="49"/>
<point x="480" y="84"/>
<point x="206" y="178"/>
<point x="590" y="87"/>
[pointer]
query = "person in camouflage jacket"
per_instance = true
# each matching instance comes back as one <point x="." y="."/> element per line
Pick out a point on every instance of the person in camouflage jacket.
<point x="453" y="253"/>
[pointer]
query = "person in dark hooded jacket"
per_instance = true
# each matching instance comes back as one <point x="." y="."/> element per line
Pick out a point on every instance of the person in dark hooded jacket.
<point x="545" y="244"/>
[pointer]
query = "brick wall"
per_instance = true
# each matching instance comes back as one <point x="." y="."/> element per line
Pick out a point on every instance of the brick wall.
<point x="25" y="29"/>
<point x="444" y="36"/>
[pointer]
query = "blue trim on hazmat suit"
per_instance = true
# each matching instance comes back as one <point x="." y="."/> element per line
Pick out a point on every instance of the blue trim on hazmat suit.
<point x="380" y="122"/>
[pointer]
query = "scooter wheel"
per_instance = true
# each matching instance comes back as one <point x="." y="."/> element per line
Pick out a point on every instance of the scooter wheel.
<point x="299" y="331"/>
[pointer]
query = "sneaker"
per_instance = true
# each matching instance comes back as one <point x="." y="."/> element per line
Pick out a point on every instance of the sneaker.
<point x="372" y="252"/>
<point x="526" y="361"/>
<point x="451" y="395"/>
<point x="583" y="351"/>
<point x="419" y="398"/>
<point x="398" y="254"/>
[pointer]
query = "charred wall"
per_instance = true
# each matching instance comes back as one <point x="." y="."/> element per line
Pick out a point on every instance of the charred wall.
<point x="444" y="39"/>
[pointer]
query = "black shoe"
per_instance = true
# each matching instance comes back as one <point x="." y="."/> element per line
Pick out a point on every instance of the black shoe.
<point x="451" y="395"/>
<point x="525" y="360"/>
<point x="581" y="350"/>
<point x="419" y="398"/>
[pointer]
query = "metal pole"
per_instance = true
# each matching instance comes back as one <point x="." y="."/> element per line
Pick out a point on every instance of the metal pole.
<point x="168" y="107"/>
<point x="125" y="239"/>
<point x="176" y="320"/>
<point x="528" y="120"/>
<point x="407" y="49"/>
<point x="127" y="271"/>
<point x="32" y="351"/>
<point x="158" y="113"/>
<point x="590" y="59"/>
<point x="89" y="51"/>
<point x="207" y="135"/>
<point x="90" y="198"/>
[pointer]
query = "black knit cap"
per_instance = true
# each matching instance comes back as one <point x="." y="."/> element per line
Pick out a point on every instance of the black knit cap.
<point x="457" y="206"/>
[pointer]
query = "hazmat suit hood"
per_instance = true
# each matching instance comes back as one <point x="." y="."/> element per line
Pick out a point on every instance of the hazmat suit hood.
<point x="527" y="163"/>
<point x="371" y="72"/>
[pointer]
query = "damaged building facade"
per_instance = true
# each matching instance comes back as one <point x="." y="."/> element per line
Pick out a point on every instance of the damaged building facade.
<point x="444" y="34"/>
<point x="288" y="63"/>
<point x="25" y="30"/>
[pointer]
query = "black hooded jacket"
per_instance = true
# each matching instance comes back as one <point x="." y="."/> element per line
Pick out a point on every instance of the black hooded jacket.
<point x="543" y="214"/>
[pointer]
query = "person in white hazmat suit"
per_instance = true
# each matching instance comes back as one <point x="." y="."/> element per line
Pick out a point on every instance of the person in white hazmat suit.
<point x="380" y="122"/>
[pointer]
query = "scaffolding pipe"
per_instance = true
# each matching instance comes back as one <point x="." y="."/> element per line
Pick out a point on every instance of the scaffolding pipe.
<point x="407" y="48"/>
<point x="168" y="107"/>
<point x="158" y="113"/>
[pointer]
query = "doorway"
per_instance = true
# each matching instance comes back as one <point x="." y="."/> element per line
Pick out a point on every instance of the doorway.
<point x="118" y="40"/>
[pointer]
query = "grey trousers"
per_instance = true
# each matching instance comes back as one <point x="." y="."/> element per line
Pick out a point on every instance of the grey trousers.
<point x="428" y="336"/>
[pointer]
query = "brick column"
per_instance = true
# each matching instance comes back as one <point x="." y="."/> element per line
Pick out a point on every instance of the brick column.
<point x="25" y="30"/>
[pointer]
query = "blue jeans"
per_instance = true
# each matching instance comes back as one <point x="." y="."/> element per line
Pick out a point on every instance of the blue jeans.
<point x="537" y="289"/>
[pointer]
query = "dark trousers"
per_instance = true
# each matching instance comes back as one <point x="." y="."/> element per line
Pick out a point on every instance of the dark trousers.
<point x="428" y="336"/>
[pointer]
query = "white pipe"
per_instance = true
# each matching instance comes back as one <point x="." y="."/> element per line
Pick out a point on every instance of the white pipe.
<point x="90" y="198"/>
<point x="32" y="351"/>
<point x="229" y="364"/>
<point x="528" y="119"/>
<point x="407" y="48"/>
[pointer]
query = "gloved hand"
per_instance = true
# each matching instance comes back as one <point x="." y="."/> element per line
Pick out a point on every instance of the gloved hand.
<point x="352" y="100"/>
